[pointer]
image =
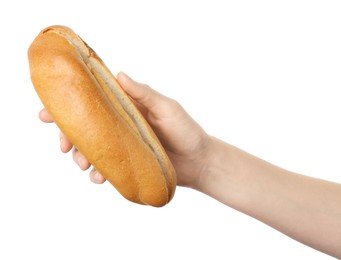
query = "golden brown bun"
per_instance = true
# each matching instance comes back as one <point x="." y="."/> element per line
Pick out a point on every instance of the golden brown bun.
<point x="92" y="110"/>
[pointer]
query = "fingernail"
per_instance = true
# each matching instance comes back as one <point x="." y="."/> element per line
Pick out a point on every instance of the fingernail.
<point x="80" y="163"/>
<point x="93" y="175"/>
<point x="123" y="76"/>
<point x="97" y="177"/>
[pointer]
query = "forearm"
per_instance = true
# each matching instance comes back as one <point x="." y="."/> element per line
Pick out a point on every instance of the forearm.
<point x="304" y="208"/>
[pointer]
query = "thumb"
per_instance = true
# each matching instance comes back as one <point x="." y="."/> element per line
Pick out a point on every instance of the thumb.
<point x="141" y="93"/>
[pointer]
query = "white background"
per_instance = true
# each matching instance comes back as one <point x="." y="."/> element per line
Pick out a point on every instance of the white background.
<point x="261" y="75"/>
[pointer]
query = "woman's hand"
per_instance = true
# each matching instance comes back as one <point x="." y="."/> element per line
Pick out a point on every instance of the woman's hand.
<point x="302" y="207"/>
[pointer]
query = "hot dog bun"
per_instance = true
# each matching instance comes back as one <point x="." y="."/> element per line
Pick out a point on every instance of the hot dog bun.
<point x="98" y="117"/>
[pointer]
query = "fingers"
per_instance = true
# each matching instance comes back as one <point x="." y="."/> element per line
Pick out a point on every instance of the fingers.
<point x="65" y="144"/>
<point x="84" y="164"/>
<point x="80" y="159"/>
<point x="96" y="177"/>
<point x="45" y="116"/>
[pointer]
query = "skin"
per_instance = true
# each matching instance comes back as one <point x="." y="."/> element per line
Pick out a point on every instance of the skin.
<point x="304" y="208"/>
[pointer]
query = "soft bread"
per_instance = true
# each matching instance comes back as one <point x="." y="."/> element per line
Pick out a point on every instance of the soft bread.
<point x="98" y="117"/>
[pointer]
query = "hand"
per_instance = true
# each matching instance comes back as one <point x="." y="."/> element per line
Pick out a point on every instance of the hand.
<point x="185" y="142"/>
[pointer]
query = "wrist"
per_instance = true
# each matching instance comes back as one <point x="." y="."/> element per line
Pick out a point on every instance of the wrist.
<point x="224" y="177"/>
<point x="215" y="164"/>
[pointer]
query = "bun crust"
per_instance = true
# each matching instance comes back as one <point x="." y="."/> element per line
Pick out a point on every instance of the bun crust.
<point x="93" y="111"/>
